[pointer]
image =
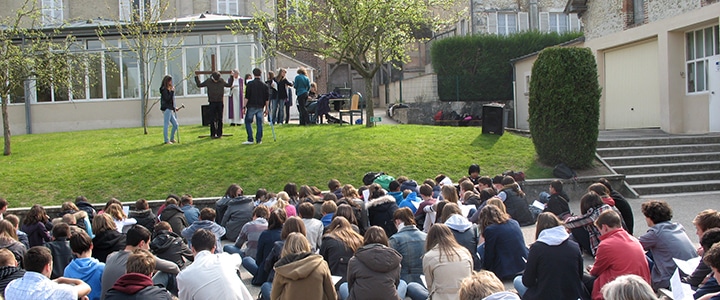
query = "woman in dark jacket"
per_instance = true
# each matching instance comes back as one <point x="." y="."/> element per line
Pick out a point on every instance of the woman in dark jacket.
<point x="381" y="208"/>
<point x="174" y="215"/>
<point x="167" y="105"/>
<point x="554" y="265"/>
<point x="107" y="239"/>
<point x="515" y="203"/>
<point x="233" y="211"/>
<point x="338" y="246"/>
<point x="504" y="251"/>
<point x="374" y="271"/>
<point x="37" y="226"/>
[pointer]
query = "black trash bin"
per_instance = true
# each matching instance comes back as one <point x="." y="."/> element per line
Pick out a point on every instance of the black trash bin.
<point x="493" y="118"/>
<point x="204" y="111"/>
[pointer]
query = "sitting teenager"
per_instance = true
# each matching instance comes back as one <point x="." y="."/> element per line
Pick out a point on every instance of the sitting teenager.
<point x="628" y="287"/>
<point x="381" y="208"/>
<point x="486" y="286"/>
<point x="301" y="273"/>
<point x="558" y="201"/>
<point x="293" y="224"/>
<point x="170" y="246"/>
<point x="622" y="205"/>
<point x="250" y="233"/>
<point x="504" y="251"/>
<point x="233" y="211"/>
<point x="704" y="221"/>
<point x="143" y="215"/>
<point x="206" y="221"/>
<point x="466" y="233"/>
<point x="409" y="241"/>
<point x="712" y="259"/>
<point x="266" y="241"/>
<point x="60" y="249"/>
<point x="554" y="264"/>
<point x="664" y="241"/>
<point x="9" y="269"/>
<point x="582" y="227"/>
<point x="107" y="239"/>
<point x="374" y="271"/>
<point x="137" y="283"/>
<point x="36" y="283"/>
<point x="85" y="267"/>
<point x="339" y="245"/>
<point x="515" y="203"/>
<point x="708" y="285"/>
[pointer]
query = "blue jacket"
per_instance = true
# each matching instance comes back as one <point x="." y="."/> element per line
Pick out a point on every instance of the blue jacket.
<point x="192" y="214"/>
<point x="90" y="271"/>
<point x="398" y="196"/>
<point x="301" y="84"/>
<point x="408" y="202"/>
<point x="505" y="250"/>
<point x="410" y="242"/>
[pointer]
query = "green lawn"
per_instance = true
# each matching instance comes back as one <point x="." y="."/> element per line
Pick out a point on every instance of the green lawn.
<point x="123" y="163"/>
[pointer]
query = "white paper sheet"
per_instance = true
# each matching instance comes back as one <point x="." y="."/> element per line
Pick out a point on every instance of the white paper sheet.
<point x="687" y="266"/>
<point x="681" y="291"/>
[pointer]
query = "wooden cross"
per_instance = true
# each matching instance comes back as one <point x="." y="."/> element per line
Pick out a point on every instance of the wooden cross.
<point x="212" y="68"/>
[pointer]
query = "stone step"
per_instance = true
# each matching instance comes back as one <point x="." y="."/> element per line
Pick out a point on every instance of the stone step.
<point x="672" y="177"/>
<point x="657" y="150"/>
<point x="668" y="168"/>
<point x="662" y="158"/>
<point x="659" y="141"/>
<point x="677" y="187"/>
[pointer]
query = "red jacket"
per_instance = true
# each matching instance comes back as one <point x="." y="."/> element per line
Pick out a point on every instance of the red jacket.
<point x="618" y="254"/>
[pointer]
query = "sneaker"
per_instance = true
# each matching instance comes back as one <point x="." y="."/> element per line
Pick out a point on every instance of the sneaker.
<point x="172" y="141"/>
<point x="248" y="143"/>
<point x="260" y="142"/>
<point x="168" y="143"/>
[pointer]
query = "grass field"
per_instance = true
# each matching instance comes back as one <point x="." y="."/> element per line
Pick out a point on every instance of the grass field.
<point x="123" y="163"/>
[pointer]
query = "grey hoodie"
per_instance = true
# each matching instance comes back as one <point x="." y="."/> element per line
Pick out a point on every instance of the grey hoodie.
<point x="553" y="236"/>
<point x="502" y="296"/>
<point x="458" y="223"/>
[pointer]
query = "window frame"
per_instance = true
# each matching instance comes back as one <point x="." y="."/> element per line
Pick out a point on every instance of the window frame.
<point x="696" y="82"/>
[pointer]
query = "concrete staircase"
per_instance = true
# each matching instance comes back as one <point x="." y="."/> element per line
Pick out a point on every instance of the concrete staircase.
<point x="664" y="164"/>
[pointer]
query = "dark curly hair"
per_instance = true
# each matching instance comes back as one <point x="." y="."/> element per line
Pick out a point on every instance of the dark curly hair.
<point x="657" y="211"/>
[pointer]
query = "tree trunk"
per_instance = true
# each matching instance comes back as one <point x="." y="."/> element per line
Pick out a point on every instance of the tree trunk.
<point x="143" y="87"/>
<point x="369" y="105"/>
<point x="6" y="124"/>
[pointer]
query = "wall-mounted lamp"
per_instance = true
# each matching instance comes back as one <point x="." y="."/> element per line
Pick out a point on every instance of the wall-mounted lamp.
<point x="682" y="74"/>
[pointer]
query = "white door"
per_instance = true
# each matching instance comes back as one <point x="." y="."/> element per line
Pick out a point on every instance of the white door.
<point x="714" y="88"/>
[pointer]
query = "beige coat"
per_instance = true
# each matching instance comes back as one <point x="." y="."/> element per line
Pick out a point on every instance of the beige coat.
<point x="443" y="274"/>
<point x="302" y="276"/>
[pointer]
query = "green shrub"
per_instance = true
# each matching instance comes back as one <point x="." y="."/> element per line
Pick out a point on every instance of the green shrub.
<point x="565" y="106"/>
<point x="477" y="68"/>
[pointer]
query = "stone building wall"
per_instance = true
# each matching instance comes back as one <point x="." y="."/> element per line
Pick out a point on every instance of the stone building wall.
<point x="423" y="112"/>
<point x="663" y="9"/>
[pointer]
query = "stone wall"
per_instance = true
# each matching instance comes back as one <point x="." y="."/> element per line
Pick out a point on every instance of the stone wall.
<point x="663" y="9"/>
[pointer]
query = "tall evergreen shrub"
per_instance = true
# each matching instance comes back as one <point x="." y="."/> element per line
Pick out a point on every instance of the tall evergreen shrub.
<point x="565" y="106"/>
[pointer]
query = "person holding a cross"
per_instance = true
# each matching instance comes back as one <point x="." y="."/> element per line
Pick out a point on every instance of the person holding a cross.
<point x="215" y="91"/>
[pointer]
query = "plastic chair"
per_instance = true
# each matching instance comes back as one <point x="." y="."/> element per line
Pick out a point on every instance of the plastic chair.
<point x="354" y="108"/>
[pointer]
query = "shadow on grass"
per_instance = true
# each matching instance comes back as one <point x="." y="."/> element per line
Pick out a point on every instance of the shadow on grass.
<point x="486" y="141"/>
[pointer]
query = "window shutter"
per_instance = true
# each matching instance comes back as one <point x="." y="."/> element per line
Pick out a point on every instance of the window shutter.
<point x="544" y="22"/>
<point x="222" y="6"/>
<point x="523" y="21"/>
<point x="575" y="23"/>
<point x="492" y="23"/>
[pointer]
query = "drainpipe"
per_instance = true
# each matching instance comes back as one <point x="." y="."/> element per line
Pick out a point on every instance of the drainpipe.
<point x="534" y="15"/>
<point x="472" y="17"/>
<point x="30" y="97"/>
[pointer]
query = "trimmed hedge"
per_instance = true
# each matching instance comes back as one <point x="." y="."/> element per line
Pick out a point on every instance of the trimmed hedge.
<point x="477" y="68"/>
<point x="564" y="106"/>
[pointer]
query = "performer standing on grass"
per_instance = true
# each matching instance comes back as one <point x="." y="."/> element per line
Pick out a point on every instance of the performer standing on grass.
<point x="255" y="105"/>
<point x="278" y="104"/>
<point x="167" y="105"/>
<point x="302" y="87"/>
<point x="215" y="91"/>
<point x="235" y="100"/>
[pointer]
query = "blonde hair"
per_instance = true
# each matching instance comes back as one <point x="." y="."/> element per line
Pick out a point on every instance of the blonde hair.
<point x="497" y="202"/>
<point x="449" y="193"/>
<point x="283" y="196"/>
<point x="116" y="211"/>
<point x="341" y="230"/>
<point x="102" y="223"/>
<point x="295" y="243"/>
<point x="440" y="235"/>
<point x="480" y="285"/>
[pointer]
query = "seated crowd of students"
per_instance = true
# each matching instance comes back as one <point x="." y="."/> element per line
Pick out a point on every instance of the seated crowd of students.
<point x="386" y="240"/>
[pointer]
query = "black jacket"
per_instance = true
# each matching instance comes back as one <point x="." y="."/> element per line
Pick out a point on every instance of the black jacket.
<point x="175" y="216"/>
<point x="558" y="205"/>
<point x="146" y="218"/>
<point x="170" y="246"/>
<point x="61" y="255"/>
<point x="380" y="213"/>
<point x="625" y="209"/>
<point x="518" y="208"/>
<point x="167" y="99"/>
<point x="554" y="271"/>
<point x="8" y="274"/>
<point x="88" y="208"/>
<point x="215" y="89"/>
<point x="107" y="242"/>
<point x="257" y="93"/>
<point x="337" y="256"/>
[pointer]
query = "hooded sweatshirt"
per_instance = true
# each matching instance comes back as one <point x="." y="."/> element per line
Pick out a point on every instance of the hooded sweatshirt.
<point x="88" y="270"/>
<point x="136" y="286"/>
<point x="302" y="275"/>
<point x="145" y="217"/>
<point x="374" y="273"/>
<point x="107" y="242"/>
<point x="466" y="234"/>
<point x="213" y="227"/>
<point x="502" y="296"/>
<point x="554" y="267"/>
<point x="170" y="246"/>
<point x="236" y="212"/>
<point x="175" y="216"/>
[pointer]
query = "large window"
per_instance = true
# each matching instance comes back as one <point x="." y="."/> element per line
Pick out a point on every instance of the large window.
<point x="559" y="22"/>
<point x="137" y="10"/>
<point x="506" y="23"/>
<point x="52" y="12"/>
<point x="699" y="46"/>
<point x="227" y="7"/>
<point x="112" y="71"/>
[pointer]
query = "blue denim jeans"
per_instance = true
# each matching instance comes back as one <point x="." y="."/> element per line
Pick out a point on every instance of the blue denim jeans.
<point x="519" y="286"/>
<point x="344" y="292"/>
<point x="257" y="113"/>
<point x="417" y="291"/>
<point x="277" y="111"/>
<point x="233" y="249"/>
<point x="169" y="118"/>
<point x="250" y="265"/>
<point x="265" y="290"/>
